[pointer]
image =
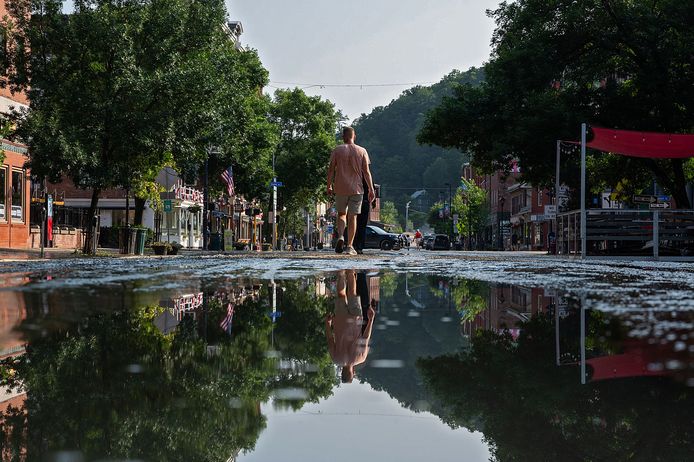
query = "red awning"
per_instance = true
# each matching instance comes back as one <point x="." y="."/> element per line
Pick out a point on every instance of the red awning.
<point x="642" y="144"/>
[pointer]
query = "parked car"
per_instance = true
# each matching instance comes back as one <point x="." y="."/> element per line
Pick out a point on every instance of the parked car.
<point x="427" y="241"/>
<point x="438" y="242"/>
<point x="377" y="238"/>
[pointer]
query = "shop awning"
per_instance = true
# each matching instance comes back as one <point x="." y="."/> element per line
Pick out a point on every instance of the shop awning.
<point x="648" y="145"/>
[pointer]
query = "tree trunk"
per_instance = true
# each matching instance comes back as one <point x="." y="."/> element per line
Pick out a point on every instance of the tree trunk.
<point x="127" y="208"/>
<point x="680" y="185"/>
<point x="139" y="210"/>
<point x="89" y="235"/>
<point x="672" y="180"/>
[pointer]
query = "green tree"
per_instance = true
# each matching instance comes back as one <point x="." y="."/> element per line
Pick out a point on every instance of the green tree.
<point x="614" y="63"/>
<point x="307" y="126"/>
<point x="119" y="88"/>
<point x="389" y="214"/>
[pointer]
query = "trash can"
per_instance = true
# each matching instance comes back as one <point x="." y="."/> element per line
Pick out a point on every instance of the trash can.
<point x="124" y="240"/>
<point x="216" y="241"/>
<point x="141" y="237"/>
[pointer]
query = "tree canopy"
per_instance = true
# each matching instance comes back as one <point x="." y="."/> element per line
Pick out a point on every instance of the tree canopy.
<point x="613" y="63"/>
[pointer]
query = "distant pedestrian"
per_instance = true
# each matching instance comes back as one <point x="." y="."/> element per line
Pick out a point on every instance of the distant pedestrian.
<point x="418" y="239"/>
<point x="349" y="166"/>
<point x="514" y="241"/>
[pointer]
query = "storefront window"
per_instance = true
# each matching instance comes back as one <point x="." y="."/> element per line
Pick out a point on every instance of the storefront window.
<point x="17" y="195"/>
<point x="3" y="190"/>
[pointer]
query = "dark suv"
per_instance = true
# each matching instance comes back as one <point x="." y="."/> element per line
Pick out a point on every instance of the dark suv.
<point x="377" y="238"/>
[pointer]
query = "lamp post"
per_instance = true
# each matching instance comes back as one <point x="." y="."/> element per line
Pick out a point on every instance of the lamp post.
<point x="211" y="150"/>
<point x="450" y="211"/>
<point x="407" y="214"/>
<point x="500" y="214"/>
<point x="274" y="204"/>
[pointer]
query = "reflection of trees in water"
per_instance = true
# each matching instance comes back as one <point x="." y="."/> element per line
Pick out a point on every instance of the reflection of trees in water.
<point x="114" y="386"/>
<point x="529" y="409"/>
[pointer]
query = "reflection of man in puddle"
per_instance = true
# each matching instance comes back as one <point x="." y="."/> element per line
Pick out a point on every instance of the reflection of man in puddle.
<point x="348" y="330"/>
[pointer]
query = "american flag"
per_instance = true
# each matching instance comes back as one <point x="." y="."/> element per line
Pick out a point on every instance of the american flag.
<point x="226" y="322"/>
<point x="228" y="178"/>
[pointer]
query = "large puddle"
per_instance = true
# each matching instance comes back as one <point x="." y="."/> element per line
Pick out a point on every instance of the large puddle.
<point x="346" y="365"/>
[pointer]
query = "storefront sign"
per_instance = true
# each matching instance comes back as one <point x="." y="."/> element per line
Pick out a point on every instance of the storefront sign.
<point x="17" y="212"/>
<point x="185" y="193"/>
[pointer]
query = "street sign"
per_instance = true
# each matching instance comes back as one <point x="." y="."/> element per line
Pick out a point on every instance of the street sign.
<point x="660" y="205"/>
<point x="664" y="198"/>
<point x="168" y="206"/>
<point x="551" y="211"/>
<point x="277" y="184"/>
<point x="641" y="199"/>
<point x="536" y="218"/>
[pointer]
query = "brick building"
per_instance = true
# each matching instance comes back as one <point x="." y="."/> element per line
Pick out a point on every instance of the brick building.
<point x="515" y="208"/>
<point x="14" y="177"/>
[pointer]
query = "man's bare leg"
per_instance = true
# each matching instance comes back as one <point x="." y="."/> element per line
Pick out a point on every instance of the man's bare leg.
<point x="341" y="224"/>
<point x="351" y="229"/>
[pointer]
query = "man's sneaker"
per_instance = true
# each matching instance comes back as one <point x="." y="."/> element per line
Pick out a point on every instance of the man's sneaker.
<point x="350" y="251"/>
<point x="360" y="252"/>
<point x="340" y="246"/>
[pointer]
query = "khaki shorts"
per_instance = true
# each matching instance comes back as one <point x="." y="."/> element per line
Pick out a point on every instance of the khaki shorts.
<point x="351" y="204"/>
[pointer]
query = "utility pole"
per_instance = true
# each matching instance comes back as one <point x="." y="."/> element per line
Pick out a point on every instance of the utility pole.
<point x="205" y="235"/>
<point x="274" y="204"/>
<point x="407" y="214"/>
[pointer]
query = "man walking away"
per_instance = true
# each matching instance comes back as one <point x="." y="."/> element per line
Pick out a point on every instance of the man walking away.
<point x="349" y="163"/>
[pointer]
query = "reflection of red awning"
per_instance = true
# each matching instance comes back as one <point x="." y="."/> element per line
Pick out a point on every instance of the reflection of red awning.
<point x="632" y="364"/>
<point x="642" y="144"/>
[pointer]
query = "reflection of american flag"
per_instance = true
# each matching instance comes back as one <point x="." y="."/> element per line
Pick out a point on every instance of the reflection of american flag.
<point x="228" y="177"/>
<point x="226" y="322"/>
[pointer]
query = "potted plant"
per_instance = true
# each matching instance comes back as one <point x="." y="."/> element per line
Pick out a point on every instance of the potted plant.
<point x="175" y="247"/>
<point x="161" y="248"/>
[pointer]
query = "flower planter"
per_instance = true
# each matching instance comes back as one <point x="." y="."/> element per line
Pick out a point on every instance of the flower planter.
<point x="159" y="249"/>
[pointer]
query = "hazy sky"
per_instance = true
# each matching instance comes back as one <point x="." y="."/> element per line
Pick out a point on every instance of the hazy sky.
<point x="364" y="42"/>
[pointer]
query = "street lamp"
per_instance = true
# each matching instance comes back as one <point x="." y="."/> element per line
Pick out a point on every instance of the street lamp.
<point x="211" y="150"/>
<point x="407" y="214"/>
<point x="500" y="214"/>
<point x="450" y="211"/>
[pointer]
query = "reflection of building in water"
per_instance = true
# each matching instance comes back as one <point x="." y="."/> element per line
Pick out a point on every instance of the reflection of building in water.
<point x="507" y="306"/>
<point x="12" y="313"/>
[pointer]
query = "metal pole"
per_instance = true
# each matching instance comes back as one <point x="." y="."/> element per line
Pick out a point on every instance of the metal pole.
<point x="656" y="234"/>
<point x="450" y="211"/>
<point x="43" y="229"/>
<point x="274" y="204"/>
<point x="556" y="198"/>
<point x="407" y="214"/>
<point x="205" y="200"/>
<point x="584" y="249"/>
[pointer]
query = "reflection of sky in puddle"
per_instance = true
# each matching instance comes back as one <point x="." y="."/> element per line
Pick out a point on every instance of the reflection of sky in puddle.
<point x="416" y="316"/>
<point x="360" y="423"/>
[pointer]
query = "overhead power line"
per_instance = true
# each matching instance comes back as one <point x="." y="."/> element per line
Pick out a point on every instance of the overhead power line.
<point x="348" y="85"/>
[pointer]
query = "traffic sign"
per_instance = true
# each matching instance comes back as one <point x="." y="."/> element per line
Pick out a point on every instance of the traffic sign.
<point x="645" y="199"/>
<point x="277" y="184"/>
<point x="660" y="205"/>
<point x="168" y="206"/>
